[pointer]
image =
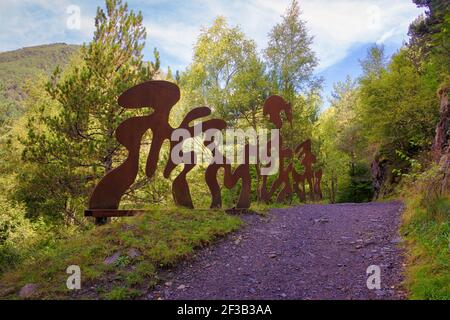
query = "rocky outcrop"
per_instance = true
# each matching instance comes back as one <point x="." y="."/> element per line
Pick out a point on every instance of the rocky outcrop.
<point x="441" y="147"/>
<point x="444" y="165"/>
<point x="379" y="170"/>
<point x="440" y="143"/>
<point x="376" y="171"/>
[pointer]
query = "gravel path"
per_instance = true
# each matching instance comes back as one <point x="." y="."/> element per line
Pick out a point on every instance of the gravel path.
<point x="305" y="252"/>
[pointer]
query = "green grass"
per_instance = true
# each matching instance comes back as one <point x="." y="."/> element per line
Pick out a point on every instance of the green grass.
<point x="122" y="293"/>
<point x="263" y="208"/>
<point x="426" y="227"/>
<point x="162" y="238"/>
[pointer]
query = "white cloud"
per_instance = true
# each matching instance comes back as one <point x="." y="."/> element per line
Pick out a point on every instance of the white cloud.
<point x="255" y="17"/>
<point x="176" y="35"/>
<point x="340" y="25"/>
<point x="387" y="35"/>
<point x="337" y="26"/>
<point x="174" y="38"/>
<point x="87" y="25"/>
<point x="34" y="22"/>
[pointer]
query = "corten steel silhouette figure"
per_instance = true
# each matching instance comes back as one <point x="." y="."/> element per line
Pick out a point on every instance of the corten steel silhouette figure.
<point x="317" y="182"/>
<point x="180" y="186"/>
<point x="161" y="96"/>
<point x="273" y="107"/>
<point x="307" y="158"/>
<point x="231" y="178"/>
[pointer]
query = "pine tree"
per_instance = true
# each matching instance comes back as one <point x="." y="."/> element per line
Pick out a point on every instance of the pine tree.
<point x="73" y="145"/>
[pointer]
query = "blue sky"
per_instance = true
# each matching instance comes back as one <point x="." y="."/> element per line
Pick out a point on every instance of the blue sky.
<point x="343" y="30"/>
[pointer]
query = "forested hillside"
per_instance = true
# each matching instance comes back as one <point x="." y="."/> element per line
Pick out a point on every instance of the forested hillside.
<point x="20" y="66"/>
<point x="384" y="136"/>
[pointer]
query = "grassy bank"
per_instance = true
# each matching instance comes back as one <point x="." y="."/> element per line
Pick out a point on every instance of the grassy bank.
<point x="426" y="228"/>
<point x="137" y="247"/>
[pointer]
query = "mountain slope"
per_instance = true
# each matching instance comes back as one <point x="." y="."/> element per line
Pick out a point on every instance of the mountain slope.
<point x="19" y="66"/>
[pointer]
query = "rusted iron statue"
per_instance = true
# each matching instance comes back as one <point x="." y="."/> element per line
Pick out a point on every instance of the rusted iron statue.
<point x="273" y="107"/>
<point x="161" y="96"/>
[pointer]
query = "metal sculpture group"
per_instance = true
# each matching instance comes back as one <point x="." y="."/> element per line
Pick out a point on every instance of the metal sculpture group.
<point x="161" y="96"/>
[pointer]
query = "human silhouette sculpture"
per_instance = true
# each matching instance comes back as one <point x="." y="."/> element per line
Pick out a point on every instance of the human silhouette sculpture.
<point x="317" y="182"/>
<point x="304" y="153"/>
<point x="180" y="186"/>
<point x="161" y="96"/>
<point x="274" y="107"/>
<point x="231" y="177"/>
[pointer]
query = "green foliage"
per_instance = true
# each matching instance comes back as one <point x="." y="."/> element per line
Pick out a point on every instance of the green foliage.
<point x="7" y="111"/>
<point x="13" y="227"/>
<point x="226" y="75"/>
<point x="290" y="58"/>
<point x="342" y="147"/>
<point x="291" y="63"/>
<point x="334" y="161"/>
<point x="429" y="33"/>
<point x="120" y="293"/>
<point x="414" y="165"/>
<point x="389" y="114"/>
<point x="398" y="106"/>
<point x="70" y="143"/>
<point x="359" y="188"/>
<point x="426" y="227"/>
<point x="20" y="238"/>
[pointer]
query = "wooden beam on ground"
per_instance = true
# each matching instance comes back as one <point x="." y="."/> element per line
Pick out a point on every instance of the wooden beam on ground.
<point x="108" y="213"/>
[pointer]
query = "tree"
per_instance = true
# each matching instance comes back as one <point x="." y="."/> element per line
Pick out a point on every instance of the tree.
<point x="249" y="90"/>
<point x="343" y="147"/>
<point x="429" y="34"/>
<point x="431" y="31"/>
<point x="7" y="111"/>
<point x="334" y="161"/>
<point x="289" y="56"/>
<point x="398" y="113"/>
<point x="375" y="62"/>
<point x="291" y="64"/>
<point x="397" y="106"/>
<point x="69" y="147"/>
<point x="225" y="74"/>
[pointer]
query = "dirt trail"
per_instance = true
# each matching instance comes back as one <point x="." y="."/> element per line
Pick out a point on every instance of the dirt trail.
<point x="305" y="252"/>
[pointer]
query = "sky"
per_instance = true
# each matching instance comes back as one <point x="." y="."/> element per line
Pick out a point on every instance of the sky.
<point x="343" y="30"/>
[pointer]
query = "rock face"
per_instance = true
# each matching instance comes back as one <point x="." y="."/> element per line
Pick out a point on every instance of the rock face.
<point x="28" y="291"/>
<point x="441" y="147"/>
<point x="445" y="168"/>
<point x="440" y="142"/>
<point x="379" y="173"/>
